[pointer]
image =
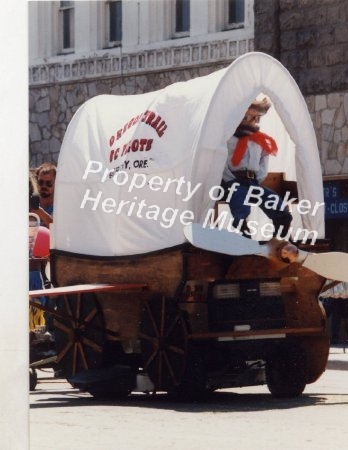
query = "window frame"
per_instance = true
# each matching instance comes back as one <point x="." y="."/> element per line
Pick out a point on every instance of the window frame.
<point x="63" y="8"/>
<point x="108" y="42"/>
<point x="234" y="25"/>
<point x="181" y="33"/>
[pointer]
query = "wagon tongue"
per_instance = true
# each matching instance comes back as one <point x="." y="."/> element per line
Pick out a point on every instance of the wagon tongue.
<point x="115" y="377"/>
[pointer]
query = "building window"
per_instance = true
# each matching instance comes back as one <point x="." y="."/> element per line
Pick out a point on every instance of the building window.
<point x="235" y="13"/>
<point x="114" y="23"/>
<point x="182" y="17"/>
<point x="66" y="26"/>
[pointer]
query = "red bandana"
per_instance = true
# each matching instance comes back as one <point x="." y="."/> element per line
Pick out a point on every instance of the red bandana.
<point x="267" y="143"/>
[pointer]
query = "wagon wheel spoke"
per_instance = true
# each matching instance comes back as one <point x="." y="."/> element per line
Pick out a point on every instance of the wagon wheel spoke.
<point x="63" y="352"/>
<point x="92" y="344"/>
<point x="178" y="350"/>
<point x="160" y="372"/>
<point x="78" y="308"/>
<point x="151" y="358"/>
<point x="170" y="368"/>
<point x="153" y="321"/>
<point x="61" y="326"/>
<point x="91" y="316"/>
<point x="74" y="359"/>
<point x="163" y="317"/>
<point x="83" y="356"/>
<point x="68" y="308"/>
<point x="173" y="324"/>
<point x="145" y="336"/>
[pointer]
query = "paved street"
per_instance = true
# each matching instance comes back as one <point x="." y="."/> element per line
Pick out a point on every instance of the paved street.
<point x="62" y="418"/>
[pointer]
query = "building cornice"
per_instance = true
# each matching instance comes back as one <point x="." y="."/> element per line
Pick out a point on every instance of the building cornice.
<point x="115" y="63"/>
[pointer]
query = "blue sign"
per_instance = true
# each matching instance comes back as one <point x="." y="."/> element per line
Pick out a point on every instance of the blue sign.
<point x="336" y="199"/>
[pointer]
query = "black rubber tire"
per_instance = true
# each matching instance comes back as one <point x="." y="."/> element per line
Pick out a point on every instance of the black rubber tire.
<point x="286" y="372"/>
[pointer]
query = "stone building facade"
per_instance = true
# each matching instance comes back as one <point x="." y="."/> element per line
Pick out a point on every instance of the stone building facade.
<point x="310" y="38"/>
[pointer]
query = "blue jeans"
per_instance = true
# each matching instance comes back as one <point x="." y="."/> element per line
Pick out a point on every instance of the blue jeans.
<point x="240" y="211"/>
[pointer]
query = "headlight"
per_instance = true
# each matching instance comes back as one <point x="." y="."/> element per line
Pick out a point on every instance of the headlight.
<point x="270" y="289"/>
<point x="226" y="291"/>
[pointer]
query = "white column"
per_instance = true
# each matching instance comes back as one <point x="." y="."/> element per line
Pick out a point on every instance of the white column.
<point x="33" y="42"/>
<point x="130" y="24"/>
<point x="47" y="29"/>
<point x="199" y="17"/>
<point x="84" y="25"/>
<point x="155" y="21"/>
<point x="146" y="11"/>
<point x="96" y="29"/>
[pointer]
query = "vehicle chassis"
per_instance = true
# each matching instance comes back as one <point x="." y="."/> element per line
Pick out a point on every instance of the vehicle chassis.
<point x="166" y="321"/>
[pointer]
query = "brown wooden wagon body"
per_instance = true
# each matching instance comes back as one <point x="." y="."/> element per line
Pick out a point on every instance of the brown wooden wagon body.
<point x="184" y="320"/>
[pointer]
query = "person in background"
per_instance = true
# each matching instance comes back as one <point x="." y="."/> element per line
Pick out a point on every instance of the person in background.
<point x="247" y="166"/>
<point x="41" y="203"/>
<point x="46" y="177"/>
<point x="36" y="316"/>
<point x="334" y="298"/>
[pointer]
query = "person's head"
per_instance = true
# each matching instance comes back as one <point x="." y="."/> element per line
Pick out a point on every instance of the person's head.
<point x="46" y="177"/>
<point x="251" y="120"/>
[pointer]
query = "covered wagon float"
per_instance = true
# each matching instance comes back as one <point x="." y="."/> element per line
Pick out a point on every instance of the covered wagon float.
<point x="145" y="301"/>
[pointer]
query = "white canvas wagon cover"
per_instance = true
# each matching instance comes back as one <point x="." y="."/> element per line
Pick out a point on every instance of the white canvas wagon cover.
<point x="133" y="170"/>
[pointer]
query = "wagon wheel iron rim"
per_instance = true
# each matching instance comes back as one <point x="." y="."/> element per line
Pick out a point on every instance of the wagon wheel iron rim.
<point x="80" y="333"/>
<point x="163" y="342"/>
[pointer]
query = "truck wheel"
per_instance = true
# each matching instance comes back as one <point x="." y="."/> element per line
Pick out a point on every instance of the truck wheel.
<point x="163" y="337"/>
<point x="79" y="333"/>
<point x="286" y="372"/>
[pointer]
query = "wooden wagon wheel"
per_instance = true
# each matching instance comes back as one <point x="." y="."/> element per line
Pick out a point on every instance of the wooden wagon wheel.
<point x="163" y="342"/>
<point x="79" y="333"/>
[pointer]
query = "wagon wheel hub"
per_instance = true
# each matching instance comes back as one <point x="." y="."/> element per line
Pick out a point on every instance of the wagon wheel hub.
<point x="160" y="343"/>
<point x="78" y="334"/>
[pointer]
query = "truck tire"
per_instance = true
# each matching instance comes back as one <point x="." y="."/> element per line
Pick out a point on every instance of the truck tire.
<point x="286" y="372"/>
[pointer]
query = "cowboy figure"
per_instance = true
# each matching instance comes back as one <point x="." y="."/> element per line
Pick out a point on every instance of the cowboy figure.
<point x="247" y="166"/>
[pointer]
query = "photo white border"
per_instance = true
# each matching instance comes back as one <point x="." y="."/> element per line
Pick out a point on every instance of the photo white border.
<point x="14" y="377"/>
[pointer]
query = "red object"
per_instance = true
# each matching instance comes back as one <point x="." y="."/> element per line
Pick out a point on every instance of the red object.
<point x="42" y="243"/>
<point x="267" y="143"/>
